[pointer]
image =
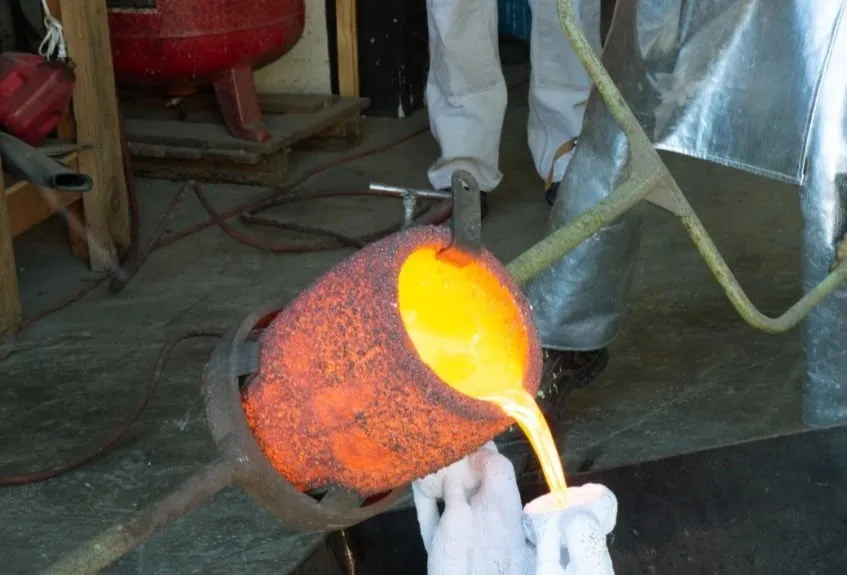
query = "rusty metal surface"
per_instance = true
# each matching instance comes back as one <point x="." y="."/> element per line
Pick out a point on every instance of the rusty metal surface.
<point x="343" y="398"/>
<point x="253" y="472"/>
<point x="240" y="463"/>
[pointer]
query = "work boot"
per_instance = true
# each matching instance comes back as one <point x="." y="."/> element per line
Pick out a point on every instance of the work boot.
<point x="562" y="372"/>
<point x="551" y="193"/>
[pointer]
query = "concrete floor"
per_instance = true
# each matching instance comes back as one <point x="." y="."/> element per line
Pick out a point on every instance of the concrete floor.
<point x="686" y="372"/>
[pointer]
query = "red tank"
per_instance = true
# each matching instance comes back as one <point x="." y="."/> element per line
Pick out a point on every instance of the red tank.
<point x="179" y="44"/>
<point x="34" y="95"/>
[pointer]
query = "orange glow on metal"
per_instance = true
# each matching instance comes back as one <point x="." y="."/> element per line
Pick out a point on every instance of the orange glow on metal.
<point x="343" y="396"/>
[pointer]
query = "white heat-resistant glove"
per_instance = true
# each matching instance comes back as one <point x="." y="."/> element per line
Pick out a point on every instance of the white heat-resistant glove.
<point x="484" y="531"/>
<point x="480" y="531"/>
<point x="572" y="541"/>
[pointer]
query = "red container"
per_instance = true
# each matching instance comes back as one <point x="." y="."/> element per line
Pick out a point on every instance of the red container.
<point x="34" y="95"/>
<point x="182" y="43"/>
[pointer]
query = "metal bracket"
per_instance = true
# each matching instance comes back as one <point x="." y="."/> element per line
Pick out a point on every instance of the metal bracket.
<point x="467" y="213"/>
<point x="410" y="197"/>
<point x="467" y="220"/>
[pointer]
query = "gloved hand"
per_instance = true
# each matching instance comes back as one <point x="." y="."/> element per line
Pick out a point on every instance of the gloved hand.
<point x="580" y="529"/>
<point x="483" y="529"/>
<point x="480" y="531"/>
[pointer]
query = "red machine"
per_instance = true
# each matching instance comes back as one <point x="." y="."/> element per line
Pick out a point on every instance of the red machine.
<point x="180" y="44"/>
<point x="34" y="95"/>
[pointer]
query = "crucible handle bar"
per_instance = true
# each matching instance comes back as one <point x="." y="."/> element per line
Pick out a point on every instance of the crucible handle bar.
<point x="648" y="178"/>
<point x="115" y="542"/>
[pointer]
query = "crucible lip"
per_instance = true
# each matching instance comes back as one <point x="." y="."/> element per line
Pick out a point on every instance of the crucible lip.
<point x="253" y="472"/>
<point x="472" y="408"/>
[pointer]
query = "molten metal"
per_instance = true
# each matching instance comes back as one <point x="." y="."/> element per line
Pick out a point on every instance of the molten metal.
<point x="343" y="397"/>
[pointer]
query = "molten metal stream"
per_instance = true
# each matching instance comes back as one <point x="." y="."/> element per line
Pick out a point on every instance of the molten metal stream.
<point x="466" y="327"/>
<point x="520" y="405"/>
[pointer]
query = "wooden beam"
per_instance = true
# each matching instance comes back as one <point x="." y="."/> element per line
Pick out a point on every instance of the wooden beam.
<point x="27" y="206"/>
<point x="347" y="47"/>
<point x="10" y="301"/>
<point x="95" y="110"/>
<point x="66" y="130"/>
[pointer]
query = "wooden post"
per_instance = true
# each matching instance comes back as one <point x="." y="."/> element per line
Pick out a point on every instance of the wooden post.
<point x="95" y="109"/>
<point x="66" y="130"/>
<point x="10" y="301"/>
<point x="347" y="48"/>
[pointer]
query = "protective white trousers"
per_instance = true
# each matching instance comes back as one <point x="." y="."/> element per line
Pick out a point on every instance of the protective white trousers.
<point x="466" y="90"/>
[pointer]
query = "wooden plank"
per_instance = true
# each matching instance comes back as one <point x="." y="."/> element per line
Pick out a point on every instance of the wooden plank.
<point x="337" y="139"/>
<point x="28" y="206"/>
<point x="10" y="301"/>
<point x="273" y="103"/>
<point x="96" y="113"/>
<point x="155" y="106"/>
<point x="286" y="130"/>
<point x="200" y="135"/>
<point x="347" y="47"/>
<point x="182" y="153"/>
<point x="67" y="126"/>
<point x="66" y="130"/>
<point x="302" y="126"/>
<point x="269" y="171"/>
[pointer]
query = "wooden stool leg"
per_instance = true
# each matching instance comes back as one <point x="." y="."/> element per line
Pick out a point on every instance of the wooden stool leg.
<point x="76" y="230"/>
<point x="10" y="300"/>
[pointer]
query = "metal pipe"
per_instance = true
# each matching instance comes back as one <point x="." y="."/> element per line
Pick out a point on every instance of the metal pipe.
<point x="420" y="193"/>
<point x="115" y="542"/>
<point x="556" y="245"/>
<point x="31" y="164"/>
<point x="739" y="299"/>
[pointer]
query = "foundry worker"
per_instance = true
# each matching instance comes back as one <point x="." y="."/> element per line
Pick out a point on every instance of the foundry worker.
<point x="754" y="85"/>
<point x="466" y="100"/>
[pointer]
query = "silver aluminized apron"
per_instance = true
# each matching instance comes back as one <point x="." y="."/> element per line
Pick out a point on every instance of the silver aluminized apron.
<point x="758" y="85"/>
